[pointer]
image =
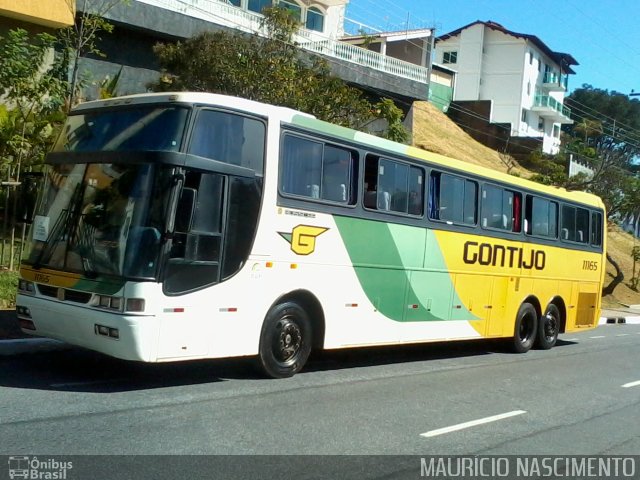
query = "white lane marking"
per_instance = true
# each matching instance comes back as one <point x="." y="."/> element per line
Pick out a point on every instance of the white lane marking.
<point x="473" y="423"/>
<point x="598" y="336"/>
<point x="622" y="335"/>
<point x="79" y="384"/>
<point x="570" y="339"/>
<point x="631" y="384"/>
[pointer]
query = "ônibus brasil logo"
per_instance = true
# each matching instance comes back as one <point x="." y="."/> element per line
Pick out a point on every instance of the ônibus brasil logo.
<point x="40" y="469"/>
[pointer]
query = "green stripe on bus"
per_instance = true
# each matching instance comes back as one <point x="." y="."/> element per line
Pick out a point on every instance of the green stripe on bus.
<point x="401" y="270"/>
<point x="348" y="134"/>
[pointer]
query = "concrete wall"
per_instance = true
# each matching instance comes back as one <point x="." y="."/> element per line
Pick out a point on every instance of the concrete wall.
<point x="139" y="26"/>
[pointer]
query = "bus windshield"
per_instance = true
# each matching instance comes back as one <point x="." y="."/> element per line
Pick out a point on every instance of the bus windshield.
<point x="148" y="128"/>
<point x="101" y="219"/>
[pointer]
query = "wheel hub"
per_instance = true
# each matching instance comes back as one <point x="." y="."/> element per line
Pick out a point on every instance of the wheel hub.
<point x="289" y="340"/>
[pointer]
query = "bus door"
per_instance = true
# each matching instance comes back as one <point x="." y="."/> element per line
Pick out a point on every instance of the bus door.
<point x="214" y="228"/>
<point x="498" y="308"/>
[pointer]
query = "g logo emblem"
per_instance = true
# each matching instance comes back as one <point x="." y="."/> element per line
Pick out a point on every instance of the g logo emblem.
<point x="303" y="238"/>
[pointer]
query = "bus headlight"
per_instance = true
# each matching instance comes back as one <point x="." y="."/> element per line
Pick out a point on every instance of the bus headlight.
<point x="135" y="305"/>
<point x="26" y="287"/>
<point x="112" y="303"/>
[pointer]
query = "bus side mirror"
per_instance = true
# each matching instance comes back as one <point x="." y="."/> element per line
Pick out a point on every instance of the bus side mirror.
<point x="186" y="210"/>
<point x="28" y="195"/>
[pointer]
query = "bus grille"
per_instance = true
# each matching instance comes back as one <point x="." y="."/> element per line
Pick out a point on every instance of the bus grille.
<point x="70" y="295"/>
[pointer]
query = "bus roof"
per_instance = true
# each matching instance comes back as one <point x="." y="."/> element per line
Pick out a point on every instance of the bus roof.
<point x="310" y="122"/>
<point x="192" y="98"/>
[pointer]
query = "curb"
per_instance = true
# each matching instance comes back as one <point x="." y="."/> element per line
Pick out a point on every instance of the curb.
<point x="630" y="320"/>
<point x="30" y="345"/>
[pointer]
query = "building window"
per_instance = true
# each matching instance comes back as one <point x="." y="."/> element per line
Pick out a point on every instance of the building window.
<point x="523" y="117"/>
<point x="294" y="8"/>
<point x="556" y="131"/>
<point x="530" y="57"/>
<point x="450" y="57"/>
<point x="453" y="199"/>
<point x="315" y="20"/>
<point x="541" y="124"/>
<point x="258" y="5"/>
<point x="528" y="88"/>
<point x="235" y="3"/>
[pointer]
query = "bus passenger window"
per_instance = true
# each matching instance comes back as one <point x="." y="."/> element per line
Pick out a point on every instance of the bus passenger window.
<point x="596" y="229"/>
<point x="393" y="186"/>
<point x="229" y="138"/>
<point x="582" y="225"/>
<point x="568" y="227"/>
<point x="541" y="217"/>
<point x="501" y="209"/>
<point x="452" y="199"/>
<point x="315" y="170"/>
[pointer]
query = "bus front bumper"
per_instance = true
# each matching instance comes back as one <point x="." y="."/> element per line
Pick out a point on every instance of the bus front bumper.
<point x="127" y="337"/>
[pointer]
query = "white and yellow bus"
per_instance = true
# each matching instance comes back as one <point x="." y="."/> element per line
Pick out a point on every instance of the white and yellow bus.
<point x="191" y="225"/>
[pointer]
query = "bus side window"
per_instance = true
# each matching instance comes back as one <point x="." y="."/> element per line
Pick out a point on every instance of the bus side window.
<point x="229" y="138"/>
<point x="317" y="170"/>
<point x="596" y="229"/>
<point x="393" y="186"/>
<point x="301" y="167"/>
<point x="452" y="199"/>
<point x="501" y="209"/>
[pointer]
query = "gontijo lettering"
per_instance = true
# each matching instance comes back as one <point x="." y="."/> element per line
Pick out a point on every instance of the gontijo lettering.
<point x="501" y="256"/>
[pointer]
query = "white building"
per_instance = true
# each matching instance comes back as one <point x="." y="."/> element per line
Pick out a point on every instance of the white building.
<point x="522" y="78"/>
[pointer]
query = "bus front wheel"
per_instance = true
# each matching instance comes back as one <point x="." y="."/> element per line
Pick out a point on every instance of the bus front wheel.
<point x="285" y="340"/>
<point x="526" y="328"/>
<point x="548" y="328"/>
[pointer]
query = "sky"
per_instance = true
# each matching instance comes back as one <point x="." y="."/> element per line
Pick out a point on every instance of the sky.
<point x="602" y="35"/>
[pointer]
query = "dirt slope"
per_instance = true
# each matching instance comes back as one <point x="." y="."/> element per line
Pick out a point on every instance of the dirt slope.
<point x="434" y="131"/>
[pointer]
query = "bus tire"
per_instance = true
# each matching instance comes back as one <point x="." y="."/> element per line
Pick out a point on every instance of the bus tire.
<point x="526" y="328"/>
<point x="548" y="328"/>
<point x="285" y="340"/>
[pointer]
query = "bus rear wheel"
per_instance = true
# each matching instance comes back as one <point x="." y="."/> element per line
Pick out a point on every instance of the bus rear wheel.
<point x="548" y="328"/>
<point x="526" y="328"/>
<point x="285" y="340"/>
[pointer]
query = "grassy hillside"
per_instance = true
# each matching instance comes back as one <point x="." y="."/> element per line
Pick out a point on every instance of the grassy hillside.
<point x="434" y="131"/>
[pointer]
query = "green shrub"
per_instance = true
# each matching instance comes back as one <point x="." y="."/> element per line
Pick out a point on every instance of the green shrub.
<point x="8" y="286"/>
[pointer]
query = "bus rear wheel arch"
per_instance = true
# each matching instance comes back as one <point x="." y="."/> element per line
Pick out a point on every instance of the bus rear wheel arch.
<point x="285" y="340"/>
<point x="525" y="328"/>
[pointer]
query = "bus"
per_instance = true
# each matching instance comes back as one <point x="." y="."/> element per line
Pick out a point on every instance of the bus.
<point x="181" y="226"/>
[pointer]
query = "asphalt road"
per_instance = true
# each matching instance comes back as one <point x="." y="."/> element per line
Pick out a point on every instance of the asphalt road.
<point x="582" y="397"/>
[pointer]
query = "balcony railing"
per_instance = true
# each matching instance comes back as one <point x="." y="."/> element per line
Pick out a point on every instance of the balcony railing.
<point x="557" y="80"/>
<point x="367" y="58"/>
<point x="222" y="13"/>
<point x="546" y="101"/>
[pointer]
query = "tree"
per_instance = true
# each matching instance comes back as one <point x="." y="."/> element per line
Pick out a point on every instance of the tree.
<point x="82" y="38"/>
<point x="270" y="69"/>
<point x="33" y="94"/>
<point x="602" y="136"/>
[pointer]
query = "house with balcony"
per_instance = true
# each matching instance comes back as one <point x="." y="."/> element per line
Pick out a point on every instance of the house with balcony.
<point x="510" y="86"/>
<point x="142" y="23"/>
